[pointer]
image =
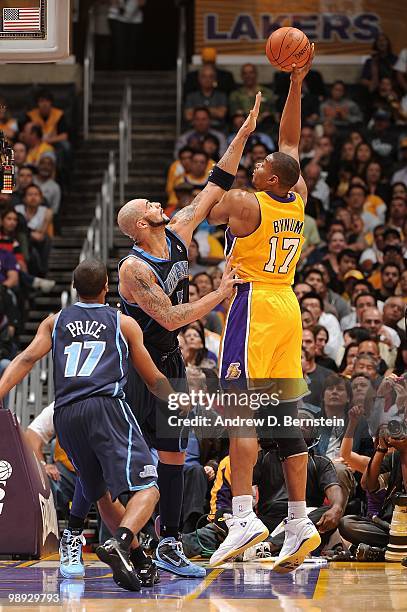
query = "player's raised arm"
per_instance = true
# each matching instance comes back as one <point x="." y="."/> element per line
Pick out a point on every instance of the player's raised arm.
<point x="140" y="284"/>
<point x="187" y="220"/>
<point x="290" y="124"/>
<point x="23" y="363"/>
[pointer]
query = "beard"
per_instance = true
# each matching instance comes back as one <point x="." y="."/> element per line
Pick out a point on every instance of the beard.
<point x="164" y="221"/>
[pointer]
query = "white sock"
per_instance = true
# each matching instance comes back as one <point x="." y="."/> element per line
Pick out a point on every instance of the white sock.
<point x="242" y="505"/>
<point x="297" y="510"/>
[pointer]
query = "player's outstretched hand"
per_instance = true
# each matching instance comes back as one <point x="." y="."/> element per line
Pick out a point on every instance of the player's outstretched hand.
<point x="299" y="74"/>
<point x="250" y="124"/>
<point x="229" y="279"/>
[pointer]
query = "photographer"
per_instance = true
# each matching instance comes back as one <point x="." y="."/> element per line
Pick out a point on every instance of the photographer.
<point x="386" y="471"/>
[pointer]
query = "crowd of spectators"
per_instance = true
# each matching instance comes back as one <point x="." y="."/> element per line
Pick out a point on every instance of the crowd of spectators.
<point x="351" y="284"/>
<point x="29" y="216"/>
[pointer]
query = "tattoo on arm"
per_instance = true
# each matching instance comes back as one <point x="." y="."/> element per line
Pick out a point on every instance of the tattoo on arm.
<point x="152" y="299"/>
<point x="187" y="214"/>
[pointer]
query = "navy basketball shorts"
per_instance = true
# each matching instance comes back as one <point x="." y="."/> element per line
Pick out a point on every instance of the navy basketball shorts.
<point x="104" y="443"/>
<point x="152" y="413"/>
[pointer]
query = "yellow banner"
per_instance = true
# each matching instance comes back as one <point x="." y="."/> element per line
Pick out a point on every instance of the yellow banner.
<point x="336" y="26"/>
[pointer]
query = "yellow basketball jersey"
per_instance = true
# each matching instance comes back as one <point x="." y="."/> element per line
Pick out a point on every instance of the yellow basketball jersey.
<point x="271" y="252"/>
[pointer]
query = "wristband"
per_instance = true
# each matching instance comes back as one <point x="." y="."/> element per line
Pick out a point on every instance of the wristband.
<point x="381" y="450"/>
<point x="222" y="179"/>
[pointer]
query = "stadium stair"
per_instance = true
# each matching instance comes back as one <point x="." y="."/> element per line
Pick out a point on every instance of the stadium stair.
<point x="153" y="134"/>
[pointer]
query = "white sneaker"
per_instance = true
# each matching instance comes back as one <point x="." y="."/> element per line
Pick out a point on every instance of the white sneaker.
<point x="43" y="284"/>
<point x="258" y="552"/>
<point x="301" y="538"/>
<point x="243" y="533"/>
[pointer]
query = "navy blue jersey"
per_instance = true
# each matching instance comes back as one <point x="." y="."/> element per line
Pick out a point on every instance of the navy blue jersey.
<point x="172" y="276"/>
<point x="89" y="353"/>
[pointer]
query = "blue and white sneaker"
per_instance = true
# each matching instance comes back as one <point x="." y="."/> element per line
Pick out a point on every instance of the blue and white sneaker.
<point x="70" y="553"/>
<point x="170" y="556"/>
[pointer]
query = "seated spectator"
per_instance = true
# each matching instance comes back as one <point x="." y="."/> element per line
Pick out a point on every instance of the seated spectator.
<point x="400" y="69"/>
<point x="373" y="255"/>
<point x="8" y="269"/>
<point x="309" y="104"/>
<point x="50" y="119"/>
<point x="317" y="186"/>
<point x="378" y="190"/>
<point x="255" y="137"/>
<point x="301" y="289"/>
<point x="45" y="179"/>
<point x="257" y="153"/>
<point x="207" y="96"/>
<point x="400" y="176"/>
<point x="307" y="145"/>
<point x="340" y="109"/>
<point x="347" y="365"/>
<point x="386" y="100"/>
<point x="20" y="155"/>
<point x="32" y="135"/>
<point x="242" y="180"/>
<point x="195" y="352"/>
<point x="184" y="194"/>
<point x="307" y="318"/>
<point x="314" y="374"/>
<point x="402" y="289"/>
<point x="178" y="168"/>
<point x="314" y="303"/>
<point x="364" y="154"/>
<point x="10" y="238"/>
<point x="380" y="64"/>
<point x="201" y="127"/>
<point x="224" y="78"/>
<point x="383" y="140"/>
<point x="388" y="274"/>
<point x="397" y="212"/>
<point x="199" y="171"/>
<point x="356" y="200"/>
<point x="8" y="125"/>
<point x="60" y="471"/>
<point x="194" y="260"/>
<point x="25" y="178"/>
<point x="242" y="99"/>
<point x="311" y="238"/>
<point x="39" y="219"/>
<point x="384" y="473"/>
<point x="360" y="302"/>
<point x="321" y="340"/>
<point x="388" y="340"/>
<point x="339" y="262"/>
<point x="371" y="347"/>
<point x="393" y="313"/>
<point x="201" y="462"/>
<point x="333" y="302"/>
<point x="210" y="146"/>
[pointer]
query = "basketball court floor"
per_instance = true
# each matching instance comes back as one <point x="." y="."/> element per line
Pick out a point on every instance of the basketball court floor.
<point x="235" y="587"/>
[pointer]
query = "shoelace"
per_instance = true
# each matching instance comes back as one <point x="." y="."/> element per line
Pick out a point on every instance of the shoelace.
<point x="75" y="549"/>
<point x="177" y="546"/>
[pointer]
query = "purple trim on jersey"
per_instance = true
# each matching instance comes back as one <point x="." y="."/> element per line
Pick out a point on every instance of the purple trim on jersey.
<point x="290" y="198"/>
<point x="234" y="340"/>
<point x="229" y="240"/>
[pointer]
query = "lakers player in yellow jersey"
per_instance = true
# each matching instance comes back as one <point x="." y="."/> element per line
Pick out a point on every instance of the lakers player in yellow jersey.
<point x="263" y="333"/>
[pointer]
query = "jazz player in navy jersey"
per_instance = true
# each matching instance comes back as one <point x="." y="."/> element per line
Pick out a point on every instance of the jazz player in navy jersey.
<point x="91" y="343"/>
<point x="153" y="285"/>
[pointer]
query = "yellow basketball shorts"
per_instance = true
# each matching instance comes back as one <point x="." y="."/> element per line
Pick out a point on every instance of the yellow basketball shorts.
<point x="262" y="338"/>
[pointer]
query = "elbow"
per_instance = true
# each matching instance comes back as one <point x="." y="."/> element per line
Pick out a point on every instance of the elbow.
<point x="168" y="325"/>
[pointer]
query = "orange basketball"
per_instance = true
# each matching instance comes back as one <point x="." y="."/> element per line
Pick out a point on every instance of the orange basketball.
<point x="287" y="46"/>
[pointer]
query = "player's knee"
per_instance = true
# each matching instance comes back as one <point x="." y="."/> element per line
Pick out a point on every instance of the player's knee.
<point x="289" y="447"/>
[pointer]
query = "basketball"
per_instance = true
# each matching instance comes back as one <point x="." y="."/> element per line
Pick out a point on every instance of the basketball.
<point x="287" y="46"/>
<point x="5" y="470"/>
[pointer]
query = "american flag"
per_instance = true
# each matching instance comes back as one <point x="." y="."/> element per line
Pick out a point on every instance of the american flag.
<point x="21" y="19"/>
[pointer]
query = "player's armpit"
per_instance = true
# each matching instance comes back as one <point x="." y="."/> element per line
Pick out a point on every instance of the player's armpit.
<point x="302" y="189"/>
<point x="140" y="357"/>
<point x="239" y="209"/>
<point x="23" y="363"/>
<point x="187" y="220"/>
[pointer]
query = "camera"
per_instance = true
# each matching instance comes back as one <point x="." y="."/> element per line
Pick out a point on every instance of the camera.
<point x="394" y="429"/>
